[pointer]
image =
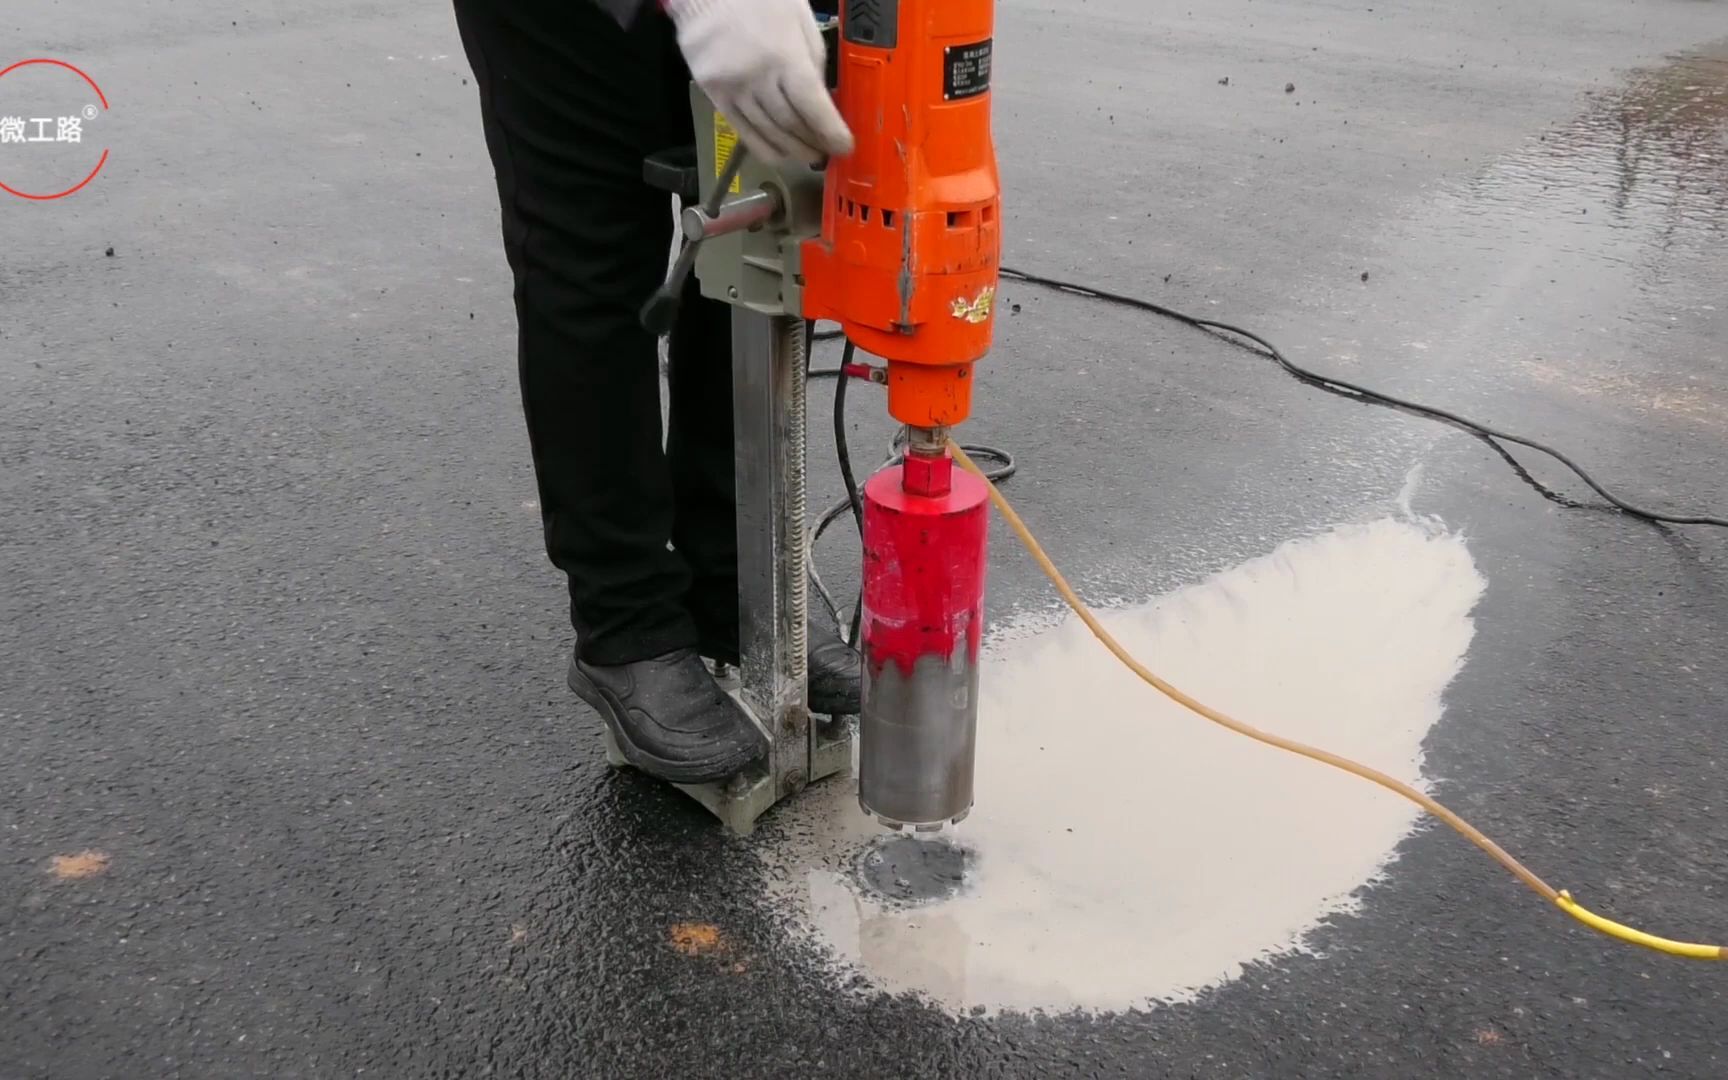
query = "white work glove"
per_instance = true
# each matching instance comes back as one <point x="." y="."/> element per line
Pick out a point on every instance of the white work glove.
<point x="762" y="64"/>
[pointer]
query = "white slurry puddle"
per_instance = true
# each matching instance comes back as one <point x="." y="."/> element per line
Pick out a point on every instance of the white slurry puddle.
<point x="1123" y="850"/>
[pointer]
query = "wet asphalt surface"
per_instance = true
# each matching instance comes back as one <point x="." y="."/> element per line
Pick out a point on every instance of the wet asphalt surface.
<point x="279" y="641"/>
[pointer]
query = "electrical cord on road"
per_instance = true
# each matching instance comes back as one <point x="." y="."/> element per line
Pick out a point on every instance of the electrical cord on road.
<point x="1493" y="436"/>
<point x="1558" y="897"/>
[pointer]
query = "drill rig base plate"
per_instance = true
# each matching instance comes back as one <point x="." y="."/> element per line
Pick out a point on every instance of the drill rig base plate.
<point x="739" y="802"/>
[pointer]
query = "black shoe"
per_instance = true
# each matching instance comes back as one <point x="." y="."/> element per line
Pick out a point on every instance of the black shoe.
<point x="836" y="674"/>
<point x="669" y="717"/>
<point x="835" y="686"/>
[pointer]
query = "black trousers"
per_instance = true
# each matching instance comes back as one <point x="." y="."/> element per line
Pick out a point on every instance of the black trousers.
<point x="571" y="104"/>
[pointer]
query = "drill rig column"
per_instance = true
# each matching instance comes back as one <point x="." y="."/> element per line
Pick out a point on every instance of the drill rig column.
<point x="907" y="264"/>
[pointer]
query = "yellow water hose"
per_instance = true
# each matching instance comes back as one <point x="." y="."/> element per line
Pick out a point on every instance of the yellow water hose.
<point x="1558" y="897"/>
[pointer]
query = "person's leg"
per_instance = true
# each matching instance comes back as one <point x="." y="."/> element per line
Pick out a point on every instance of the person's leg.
<point x="699" y="447"/>
<point x="571" y="104"/>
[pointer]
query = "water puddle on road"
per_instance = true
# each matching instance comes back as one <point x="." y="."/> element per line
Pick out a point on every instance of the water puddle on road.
<point x="1123" y="850"/>
<point x="1586" y="262"/>
<point x="1648" y="157"/>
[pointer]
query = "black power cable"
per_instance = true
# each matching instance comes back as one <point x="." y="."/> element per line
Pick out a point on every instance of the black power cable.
<point x="840" y="447"/>
<point x="842" y="451"/>
<point x="1491" y="435"/>
<point x="1235" y="335"/>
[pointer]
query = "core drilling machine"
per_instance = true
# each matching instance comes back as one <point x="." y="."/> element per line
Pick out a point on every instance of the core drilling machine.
<point x="899" y="244"/>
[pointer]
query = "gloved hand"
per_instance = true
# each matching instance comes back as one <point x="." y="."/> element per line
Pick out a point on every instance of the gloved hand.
<point x="761" y="62"/>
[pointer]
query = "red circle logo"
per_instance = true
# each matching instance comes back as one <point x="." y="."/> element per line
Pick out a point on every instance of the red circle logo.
<point x="56" y="91"/>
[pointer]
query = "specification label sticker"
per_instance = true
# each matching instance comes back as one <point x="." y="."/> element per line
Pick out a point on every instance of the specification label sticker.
<point x="966" y="70"/>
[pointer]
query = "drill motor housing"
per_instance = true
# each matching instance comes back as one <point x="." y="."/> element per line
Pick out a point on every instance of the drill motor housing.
<point x="910" y="246"/>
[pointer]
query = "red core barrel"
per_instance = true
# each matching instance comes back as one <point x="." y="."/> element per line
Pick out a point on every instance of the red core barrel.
<point x="924" y="567"/>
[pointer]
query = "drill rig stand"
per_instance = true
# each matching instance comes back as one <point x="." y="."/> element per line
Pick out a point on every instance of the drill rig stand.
<point x="746" y="253"/>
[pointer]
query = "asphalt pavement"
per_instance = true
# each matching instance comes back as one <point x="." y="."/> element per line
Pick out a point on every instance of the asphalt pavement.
<point x="291" y="786"/>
